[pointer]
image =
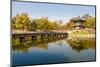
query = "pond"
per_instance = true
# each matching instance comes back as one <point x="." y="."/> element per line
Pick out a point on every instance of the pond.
<point x="51" y="50"/>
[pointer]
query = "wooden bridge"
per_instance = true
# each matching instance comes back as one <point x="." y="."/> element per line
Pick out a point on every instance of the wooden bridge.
<point x="41" y="35"/>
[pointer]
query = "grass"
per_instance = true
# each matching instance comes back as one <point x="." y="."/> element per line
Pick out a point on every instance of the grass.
<point x="82" y="32"/>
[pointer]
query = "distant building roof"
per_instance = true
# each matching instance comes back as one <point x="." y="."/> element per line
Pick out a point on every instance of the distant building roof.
<point x="78" y="20"/>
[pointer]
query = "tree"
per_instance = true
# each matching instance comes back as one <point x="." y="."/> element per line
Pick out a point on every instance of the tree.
<point x="33" y="25"/>
<point x="70" y="25"/>
<point x="21" y="22"/>
<point x="43" y="23"/>
<point x="90" y="23"/>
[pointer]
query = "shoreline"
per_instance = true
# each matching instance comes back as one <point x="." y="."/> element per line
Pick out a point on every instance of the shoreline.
<point x="81" y="36"/>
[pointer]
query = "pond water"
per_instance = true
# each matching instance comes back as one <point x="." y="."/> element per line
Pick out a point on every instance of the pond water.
<point x="49" y="51"/>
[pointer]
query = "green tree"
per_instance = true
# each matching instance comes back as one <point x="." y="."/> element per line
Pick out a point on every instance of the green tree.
<point x="43" y="23"/>
<point x="20" y="22"/>
<point x="90" y="23"/>
<point x="53" y="25"/>
<point x="33" y="25"/>
<point x="70" y="25"/>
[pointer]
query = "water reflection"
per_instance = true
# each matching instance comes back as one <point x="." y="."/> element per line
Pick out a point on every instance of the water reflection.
<point x="52" y="50"/>
<point x="25" y="45"/>
<point x="81" y="44"/>
<point x="75" y="43"/>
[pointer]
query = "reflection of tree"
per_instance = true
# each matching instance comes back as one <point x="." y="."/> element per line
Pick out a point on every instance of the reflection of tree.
<point x="21" y="48"/>
<point x="24" y="46"/>
<point x="80" y="44"/>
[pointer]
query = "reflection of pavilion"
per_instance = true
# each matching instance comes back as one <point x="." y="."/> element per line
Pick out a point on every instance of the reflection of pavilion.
<point x="78" y="23"/>
<point x="81" y="44"/>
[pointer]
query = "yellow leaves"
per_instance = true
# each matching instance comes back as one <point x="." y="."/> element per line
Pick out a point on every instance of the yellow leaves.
<point x="20" y="21"/>
<point x="90" y="23"/>
<point x="23" y="21"/>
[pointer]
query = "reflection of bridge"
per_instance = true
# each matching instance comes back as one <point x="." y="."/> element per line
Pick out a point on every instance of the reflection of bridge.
<point x="41" y="35"/>
<point x="43" y="43"/>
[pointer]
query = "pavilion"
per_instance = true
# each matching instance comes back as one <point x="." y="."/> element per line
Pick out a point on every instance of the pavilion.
<point x="78" y="23"/>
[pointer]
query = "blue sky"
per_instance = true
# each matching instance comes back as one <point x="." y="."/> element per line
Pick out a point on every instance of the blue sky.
<point x="52" y="11"/>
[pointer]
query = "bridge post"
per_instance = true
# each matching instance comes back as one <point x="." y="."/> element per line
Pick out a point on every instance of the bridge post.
<point x="33" y="37"/>
<point x="54" y="35"/>
<point x="48" y="36"/>
<point x="21" y="39"/>
<point x="66" y="35"/>
<point x="42" y="36"/>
